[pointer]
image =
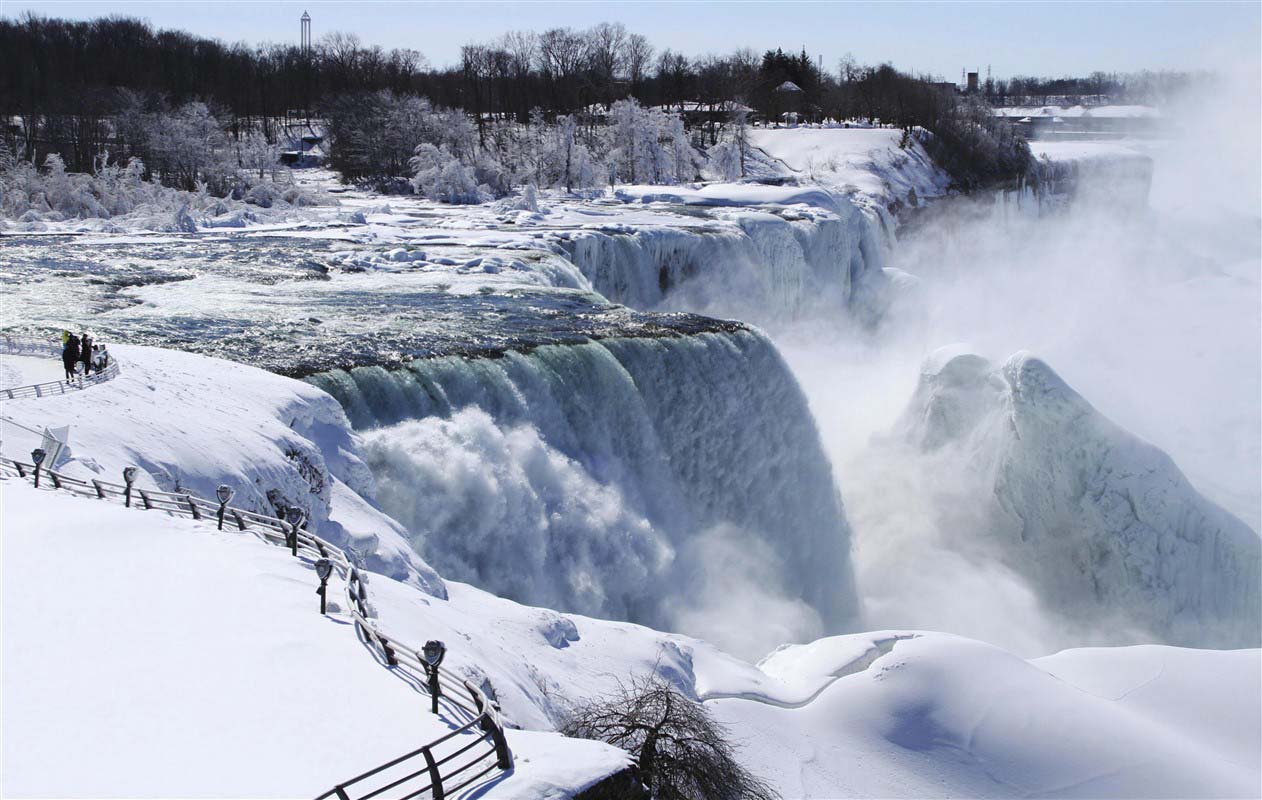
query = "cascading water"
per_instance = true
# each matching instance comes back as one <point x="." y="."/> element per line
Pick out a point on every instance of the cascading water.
<point x="650" y="479"/>
<point x="764" y="266"/>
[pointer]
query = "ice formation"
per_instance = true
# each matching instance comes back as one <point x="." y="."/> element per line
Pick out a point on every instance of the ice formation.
<point x="1103" y="524"/>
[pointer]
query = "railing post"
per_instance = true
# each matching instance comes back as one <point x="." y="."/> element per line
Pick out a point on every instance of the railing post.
<point x="240" y="520"/>
<point x="100" y="490"/>
<point x="144" y="498"/>
<point x="193" y="507"/>
<point x="435" y="779"/>
<point x="494" y="727"/>
<point x="388" y="650"/>
<point x="129" y="477"/>
<point x="503" y="756"/>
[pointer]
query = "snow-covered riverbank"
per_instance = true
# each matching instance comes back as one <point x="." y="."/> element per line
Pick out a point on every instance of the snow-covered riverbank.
<point x="889" y="713"/>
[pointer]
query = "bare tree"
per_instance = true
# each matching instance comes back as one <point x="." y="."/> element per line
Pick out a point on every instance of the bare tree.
<point x="341" y="54"/>
<point x="607" y="44"/>
<point x="562" y="55"/>
<point x="639" y="53"/>
<point x="682" y="751"/>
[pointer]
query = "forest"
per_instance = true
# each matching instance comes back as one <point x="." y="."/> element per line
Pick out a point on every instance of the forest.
<point x="114" y="89"/>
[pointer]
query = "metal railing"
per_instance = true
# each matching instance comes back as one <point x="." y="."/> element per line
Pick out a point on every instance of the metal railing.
<point x="442" y="773"/>
<point x="27" y="346"/>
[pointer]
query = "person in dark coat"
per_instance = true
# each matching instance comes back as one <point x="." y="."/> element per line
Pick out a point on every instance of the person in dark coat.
<point x="70" y="356"/>
<point x="85" y="353"/>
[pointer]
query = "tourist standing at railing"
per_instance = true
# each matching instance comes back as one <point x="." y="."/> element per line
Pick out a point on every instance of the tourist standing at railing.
<point x="70" y="356"/>
<point x="85" y="353"/>
<point x="100" y="358"/>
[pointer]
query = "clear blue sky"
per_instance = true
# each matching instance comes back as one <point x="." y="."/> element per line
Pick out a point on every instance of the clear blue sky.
<point x="1028" y="38"/>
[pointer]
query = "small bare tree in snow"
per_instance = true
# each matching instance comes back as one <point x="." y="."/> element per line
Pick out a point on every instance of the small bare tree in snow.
<point x="682" y="751"/>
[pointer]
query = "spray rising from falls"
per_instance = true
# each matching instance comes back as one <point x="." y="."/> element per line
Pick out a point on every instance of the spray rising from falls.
<point x="678" y="482"/>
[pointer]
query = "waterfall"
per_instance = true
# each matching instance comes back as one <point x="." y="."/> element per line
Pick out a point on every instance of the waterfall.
<point x="647" y="479"/>
<point x="762" y="266"/>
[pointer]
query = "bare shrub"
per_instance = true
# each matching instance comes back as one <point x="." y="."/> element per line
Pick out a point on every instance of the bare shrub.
<point x="683" y="752"/>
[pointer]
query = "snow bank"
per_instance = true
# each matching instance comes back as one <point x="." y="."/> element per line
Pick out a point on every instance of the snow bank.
<point x="143" y="653"/>
<point x="866" y="161"/>
<point x="1095" y="175"/>
<point x="1103" y="524"/>
<point x="944" y="716"/>
<point x="191" y="423"/>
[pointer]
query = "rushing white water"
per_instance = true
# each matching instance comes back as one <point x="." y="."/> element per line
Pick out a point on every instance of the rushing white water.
<point x="677" y="481"/>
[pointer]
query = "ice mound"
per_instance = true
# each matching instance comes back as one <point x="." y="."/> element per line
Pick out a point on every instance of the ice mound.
<point x="1104" y="525"/>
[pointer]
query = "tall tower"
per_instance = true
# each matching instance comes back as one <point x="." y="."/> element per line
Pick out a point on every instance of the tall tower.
<point x="306" y="33"/>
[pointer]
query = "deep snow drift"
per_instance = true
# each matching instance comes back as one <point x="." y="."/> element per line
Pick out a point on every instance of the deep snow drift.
<point x="656" y="480"/>
<point x="147" y="656"/>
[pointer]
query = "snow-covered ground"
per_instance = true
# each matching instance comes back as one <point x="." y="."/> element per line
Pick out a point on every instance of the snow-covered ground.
<point x="146" y="656"/>
<point x="27" y="370"/>
<point x="192" y="423"/>
<point x="867" y="161"/>
<point x="158" y="606"/>
<point x="637" y="443"/>
<point x="1075" y="112"/>
<point x="933" y="715"/>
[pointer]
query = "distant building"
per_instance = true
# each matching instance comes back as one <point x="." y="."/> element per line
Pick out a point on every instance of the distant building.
<point x="1081" y="122"/>
<point x="972" y="83"/>
<point x="787" y="103"/>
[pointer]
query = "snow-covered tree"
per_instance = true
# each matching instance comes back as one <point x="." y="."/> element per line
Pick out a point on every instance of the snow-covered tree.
<point x="255" y="153"/>
<point x="725" y="161"/>
<point x="649" y="146"/>
<point x="567" y="162"/>
<point x="439" y="175"/>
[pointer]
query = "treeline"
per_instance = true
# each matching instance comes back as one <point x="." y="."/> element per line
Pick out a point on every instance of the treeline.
<point x="80" y="89"/>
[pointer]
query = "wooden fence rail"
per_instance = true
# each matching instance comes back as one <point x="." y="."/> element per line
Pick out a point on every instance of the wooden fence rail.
<point x="480" y="745"/>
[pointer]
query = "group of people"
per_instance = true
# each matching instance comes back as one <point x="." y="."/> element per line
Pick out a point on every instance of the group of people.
<point x="76" y="350"/>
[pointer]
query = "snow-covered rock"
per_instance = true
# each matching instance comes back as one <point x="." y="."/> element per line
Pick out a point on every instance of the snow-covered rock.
<point x="1104" y="525"/>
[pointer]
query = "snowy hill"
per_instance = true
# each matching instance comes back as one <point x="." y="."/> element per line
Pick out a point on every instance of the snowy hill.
<point x="1101" y="522"/>
<point x="143" y="653"/>
<point x="205" y="644"/>
<point x="191" y="423"/>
